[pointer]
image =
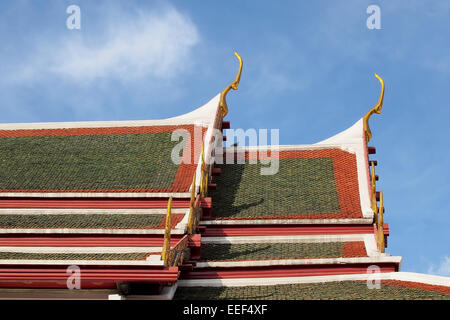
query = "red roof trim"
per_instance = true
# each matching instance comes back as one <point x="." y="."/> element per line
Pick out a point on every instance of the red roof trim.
<point x="416" y="285"/>
<point x="256" y="230"/>
<point x="74" y="240"/>
<point x="93" y="276"/>
<point x="103" y="203"/>
<point x="353" y="249"/>
<point x="91" y="131"/>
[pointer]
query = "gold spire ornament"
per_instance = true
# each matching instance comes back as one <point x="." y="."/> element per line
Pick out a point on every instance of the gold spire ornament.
<point x="191" y="208"/>
<point x="374" y="192"/>
<point x="376" y="109"/>
<point x="204" y="174"/>
<point x="234" y="85"/>
<point x="168" y="227"/>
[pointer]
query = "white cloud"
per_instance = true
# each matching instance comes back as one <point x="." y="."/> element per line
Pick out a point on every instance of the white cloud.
<point x="443" y="269"/>
<point x="154" y="44"/>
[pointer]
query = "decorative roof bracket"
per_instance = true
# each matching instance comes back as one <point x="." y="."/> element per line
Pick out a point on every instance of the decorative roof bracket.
<point x="233" y="85"/>
<point x="380" y="236"/>
<point x="376" y="109"/>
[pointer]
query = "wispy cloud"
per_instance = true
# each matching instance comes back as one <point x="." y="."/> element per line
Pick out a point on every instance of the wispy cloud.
<point x="443" y="269"/>
<point x="277" y="71"/>
<point x="153" y="44"/>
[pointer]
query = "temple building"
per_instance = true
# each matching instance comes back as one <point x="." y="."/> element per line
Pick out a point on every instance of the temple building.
<point x="159" y="209"/>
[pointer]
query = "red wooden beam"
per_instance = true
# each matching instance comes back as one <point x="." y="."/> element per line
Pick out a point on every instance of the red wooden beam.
<point x="55" y="284"/>
<point x="51" y="277"/>
<point x="255" y="230"/>
<point x="88" y="203"/>
<point x="225" y="124"/>
<point x="212" y="186"/>
<point x="195" y="244"/>
<point x="206" y="202"/>
<point x="63" y="240"/>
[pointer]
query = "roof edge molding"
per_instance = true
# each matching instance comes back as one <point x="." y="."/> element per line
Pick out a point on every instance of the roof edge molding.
<point x="354" y="134"/>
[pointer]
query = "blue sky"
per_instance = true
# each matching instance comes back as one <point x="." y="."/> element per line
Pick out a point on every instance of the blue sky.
<point x="308" y="71"/>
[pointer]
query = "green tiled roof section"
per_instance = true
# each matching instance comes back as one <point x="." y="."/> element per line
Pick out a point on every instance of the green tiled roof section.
<point x="72" y="256"/>
<point x="87" y="221"/>
<point x="273" y="251"/>
<point x="345" y="290"/>
<point x="87" y="162"/>
<point x="301" y="186"/>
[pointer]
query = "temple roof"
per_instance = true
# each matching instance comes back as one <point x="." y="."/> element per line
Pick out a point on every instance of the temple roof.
<point x="330" y="290"/>
<point x="101" y="158"/>
<point x="311" y="183"/>
<point x="277" y="222"/>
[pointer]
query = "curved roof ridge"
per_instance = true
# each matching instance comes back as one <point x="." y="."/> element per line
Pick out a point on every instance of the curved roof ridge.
<point x="353" y="134"/>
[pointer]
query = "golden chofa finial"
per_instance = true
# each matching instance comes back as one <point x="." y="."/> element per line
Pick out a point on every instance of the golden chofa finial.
<point x="376" y="109"/>
<point x="233" y="85"/>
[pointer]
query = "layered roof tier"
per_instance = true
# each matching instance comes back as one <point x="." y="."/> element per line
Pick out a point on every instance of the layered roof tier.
<point x="325" y="288"/>
<point x="93" y="221"/>
<point x="146" y="203"/>
<point x="321" y="183"/>
<point x="309" y="184"/>
<point x="104" y="159"/>
<point x="95" y="195"/>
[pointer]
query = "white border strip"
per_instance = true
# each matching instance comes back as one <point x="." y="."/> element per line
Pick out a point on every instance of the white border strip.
<point x="167" y="293"/>
<point x="89" y="231"/>
<point x="44" y="249"/>
<point x="371" y="245"/>
<point x="240" y="282"/>
<point x="94" y="194"/>
<point x="285" y="221"/>
<point x="285" y="147"/>
<point x="258" y="263"/>
<point x="183" y="223"/>
<point x="55" y="294"/>
<point x="151" y="262"/>
<point x="287" y="239"/>
<point x="55" y="211"/>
